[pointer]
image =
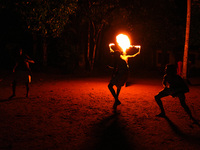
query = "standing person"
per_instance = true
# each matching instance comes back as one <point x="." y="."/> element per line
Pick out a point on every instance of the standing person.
<point x="124" y="56"/>
<point x="119" y="77"/>
<point x="22" y="72"/>
<point x="175" y="86"/>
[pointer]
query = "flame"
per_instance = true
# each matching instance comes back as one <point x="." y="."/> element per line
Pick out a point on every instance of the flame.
<point x="123" y="41"/>
<point x="136" y="46"/>
<point x="110" y="45"/>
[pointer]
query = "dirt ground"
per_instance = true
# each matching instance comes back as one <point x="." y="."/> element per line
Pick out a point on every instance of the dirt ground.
<point x="68" y="113"/>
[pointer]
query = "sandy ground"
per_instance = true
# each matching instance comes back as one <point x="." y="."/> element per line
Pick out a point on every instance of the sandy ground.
<point x="65" y="113"/>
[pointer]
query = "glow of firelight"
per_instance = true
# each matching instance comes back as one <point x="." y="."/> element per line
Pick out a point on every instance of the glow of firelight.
<point x="123" y="42"/>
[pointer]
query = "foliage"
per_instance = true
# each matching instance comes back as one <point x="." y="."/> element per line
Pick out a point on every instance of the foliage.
<point x="47" y="17"/>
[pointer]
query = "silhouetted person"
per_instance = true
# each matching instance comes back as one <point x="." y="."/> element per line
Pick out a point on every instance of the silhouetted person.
<point x="175" y="86"/>
<point x="22" y="72"/>
<point x="124" y="56"/>
<point x="119" y="77"/>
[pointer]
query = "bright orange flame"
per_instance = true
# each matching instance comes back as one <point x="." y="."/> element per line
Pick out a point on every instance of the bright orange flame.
<point x="123" y="42"/>
<point x="110" y="45"/>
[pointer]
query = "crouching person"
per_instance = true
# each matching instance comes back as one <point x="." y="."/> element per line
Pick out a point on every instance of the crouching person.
<point x="175" y="86"/>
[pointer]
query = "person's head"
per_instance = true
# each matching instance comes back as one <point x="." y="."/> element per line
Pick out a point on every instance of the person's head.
<point x="170" y="69"/>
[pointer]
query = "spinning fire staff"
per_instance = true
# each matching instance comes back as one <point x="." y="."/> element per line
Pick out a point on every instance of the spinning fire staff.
<point x="124" y="42"/>
<point x="121" y="68"/>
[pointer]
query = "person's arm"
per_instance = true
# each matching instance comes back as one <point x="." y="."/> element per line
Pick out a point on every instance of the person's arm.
<point x="110" y="46"/>
<point x="136" y="46"/>
<point x="15" y="66"/>
<point x="28" y="67"/>
<point x="31" y="61"/>
<point x="28" y="59"/>
<point x="134" y="54"/>
<point x="110" y="67"/>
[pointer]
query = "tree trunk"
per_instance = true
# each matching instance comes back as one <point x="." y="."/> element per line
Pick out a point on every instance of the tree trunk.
<point x="93" y="55"/>
<point x="88" y="62"/>
<point x="187" y="33"/>
<point x="96" y="35"/>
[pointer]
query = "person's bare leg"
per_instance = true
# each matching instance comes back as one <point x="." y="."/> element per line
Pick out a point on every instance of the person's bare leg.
<point x="13" y="89"/>
<point x="110" y="87"/>
<point x="118" y="91"/>
<point x="117" y="102"/>
<point x="186" y="108"/>
<point x="159" y="102"/>
<point x="117" y="95"/>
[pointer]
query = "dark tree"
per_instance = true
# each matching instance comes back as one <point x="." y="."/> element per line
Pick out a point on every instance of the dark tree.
<point x="96" y="14"/>
<point x="46" y="18"/>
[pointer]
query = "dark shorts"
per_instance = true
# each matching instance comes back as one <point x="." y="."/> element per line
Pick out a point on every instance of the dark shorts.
<point x="119" y="79"/>
<point x="21" y="76"/>
<point x="173" y="92"/>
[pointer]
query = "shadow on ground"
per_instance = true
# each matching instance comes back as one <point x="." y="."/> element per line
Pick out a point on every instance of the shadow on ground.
<point x="111" y="134"/>
<point x="188" y="137"/>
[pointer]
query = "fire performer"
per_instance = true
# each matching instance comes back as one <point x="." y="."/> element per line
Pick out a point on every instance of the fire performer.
<point x="123" y="42"/>
<point x="119" y="77"/>
<point x="22" y="72"/>
<point x="121" y="67"/>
